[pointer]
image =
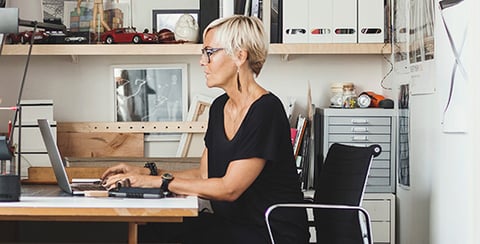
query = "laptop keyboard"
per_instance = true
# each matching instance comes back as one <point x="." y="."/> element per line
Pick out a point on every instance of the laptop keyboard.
<point x="88" y="187"/>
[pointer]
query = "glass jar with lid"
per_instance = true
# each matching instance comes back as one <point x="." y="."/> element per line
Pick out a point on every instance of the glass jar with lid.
<point x="336" y="99"/>
<point x="349" y="98"/>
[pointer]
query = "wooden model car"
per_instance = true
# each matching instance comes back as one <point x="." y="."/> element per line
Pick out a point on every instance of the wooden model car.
<point x="127" y="35"/>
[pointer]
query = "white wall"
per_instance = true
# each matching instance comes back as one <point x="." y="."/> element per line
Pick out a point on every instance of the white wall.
<point x="440" y="206"/>
<point x="84" y="91"/>
<point x="455" y="188"/>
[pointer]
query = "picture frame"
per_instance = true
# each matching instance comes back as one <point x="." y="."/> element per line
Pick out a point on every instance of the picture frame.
<point x="167" y="18"/>
<point x="150" y="92"/>
<point x="191" y="145"/>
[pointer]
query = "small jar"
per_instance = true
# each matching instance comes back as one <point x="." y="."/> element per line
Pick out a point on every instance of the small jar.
<point x="349" y="96"/>
<point x="336" y="100"/>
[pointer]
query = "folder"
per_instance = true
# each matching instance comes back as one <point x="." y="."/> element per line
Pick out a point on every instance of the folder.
<point x="371" y="24"/>
<point x="344" y="21"/>
<point x="295" y="23"/>
<point x="320" y="21"/>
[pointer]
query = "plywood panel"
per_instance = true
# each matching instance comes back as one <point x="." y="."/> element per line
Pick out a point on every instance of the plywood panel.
<point x="45" y="175"/>
<point x="100" y="144"/>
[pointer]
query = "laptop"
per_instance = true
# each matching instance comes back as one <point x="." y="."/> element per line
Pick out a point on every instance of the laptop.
<point x="79" y="187"/>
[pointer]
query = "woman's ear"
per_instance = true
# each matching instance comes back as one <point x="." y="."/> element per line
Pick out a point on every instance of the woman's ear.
<point x="242" y="57"/>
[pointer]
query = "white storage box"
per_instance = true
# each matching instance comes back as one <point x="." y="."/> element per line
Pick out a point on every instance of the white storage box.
<point x="32" y="138"/>
<point x="371" y="24"/>
<point x="36" y="109"/>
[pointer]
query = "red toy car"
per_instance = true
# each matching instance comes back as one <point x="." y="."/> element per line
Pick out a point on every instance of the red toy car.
<point x="25" y="36"/>
<point x="127" y="35"/>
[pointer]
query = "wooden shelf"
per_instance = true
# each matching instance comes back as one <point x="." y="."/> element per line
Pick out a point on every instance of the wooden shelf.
<point x="190" y="49"/>
<point x="331" y="48"/>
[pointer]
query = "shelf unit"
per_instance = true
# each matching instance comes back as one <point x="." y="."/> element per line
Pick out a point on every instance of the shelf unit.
<point x="191" y="49"/>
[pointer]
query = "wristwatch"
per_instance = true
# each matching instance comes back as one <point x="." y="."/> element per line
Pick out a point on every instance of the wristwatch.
<point x="152" y="167"/>
<point x="166" y="179"/>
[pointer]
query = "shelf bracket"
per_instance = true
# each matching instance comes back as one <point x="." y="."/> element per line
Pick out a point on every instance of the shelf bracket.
<point x="285" y="57"/>
<point x="75" y="59"/>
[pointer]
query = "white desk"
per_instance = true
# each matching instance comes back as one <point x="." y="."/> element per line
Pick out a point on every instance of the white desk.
<point x="69" y="208"/>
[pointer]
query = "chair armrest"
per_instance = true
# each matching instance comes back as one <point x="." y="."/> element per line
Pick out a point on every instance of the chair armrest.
<point x="318" y="206"/>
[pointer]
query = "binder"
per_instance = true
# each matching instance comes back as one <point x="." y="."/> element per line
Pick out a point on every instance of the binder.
<point x="371" y="26"/>
<point x="344" y="21"/>
<point x="320" y="21"/>
<point x="295" y="23"/>
<point x="209" y="10"/>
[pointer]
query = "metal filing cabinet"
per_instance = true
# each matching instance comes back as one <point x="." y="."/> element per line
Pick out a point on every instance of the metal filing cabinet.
<point x="380" y="207"/>
<point x="364" y="127"/>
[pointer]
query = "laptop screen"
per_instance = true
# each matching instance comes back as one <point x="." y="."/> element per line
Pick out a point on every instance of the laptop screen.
<point x="54" y="155"/>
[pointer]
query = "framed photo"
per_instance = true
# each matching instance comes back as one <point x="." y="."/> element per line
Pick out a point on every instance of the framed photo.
<point x="150" y="92"/>
<point x="192" y="144"/>
<point x="167" y="18"/>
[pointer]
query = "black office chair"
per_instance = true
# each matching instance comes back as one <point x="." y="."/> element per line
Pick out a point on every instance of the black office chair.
<point x="338" y="195"/>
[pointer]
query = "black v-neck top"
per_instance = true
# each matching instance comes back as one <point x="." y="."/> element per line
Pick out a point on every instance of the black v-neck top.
<point x="264" y="133"/>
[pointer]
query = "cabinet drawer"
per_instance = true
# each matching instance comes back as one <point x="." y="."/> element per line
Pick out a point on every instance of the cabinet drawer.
<point x="377" y="181"/>
<point x="380" y="164"/>
<point x="379" y="173"/>
<point x="379" y="210"/>
<point x="359" y="120"/>
<point x="381" y="232"/>
<point x="384" y="155"/>
<point x="385" y="146"/>
<point x="348" y="129"/>
<point x="359" y="138"/>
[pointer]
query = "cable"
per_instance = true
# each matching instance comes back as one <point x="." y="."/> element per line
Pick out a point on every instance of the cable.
<point x="382" y="82"/>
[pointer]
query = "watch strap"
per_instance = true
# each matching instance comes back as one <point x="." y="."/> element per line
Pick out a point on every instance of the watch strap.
<point x="152" y="167"/>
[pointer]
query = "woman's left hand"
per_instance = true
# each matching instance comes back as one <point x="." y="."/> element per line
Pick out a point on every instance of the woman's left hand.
<point x="134" y="180"/>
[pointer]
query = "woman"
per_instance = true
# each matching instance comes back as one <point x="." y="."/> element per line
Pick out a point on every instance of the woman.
<point x="247" y="164"/>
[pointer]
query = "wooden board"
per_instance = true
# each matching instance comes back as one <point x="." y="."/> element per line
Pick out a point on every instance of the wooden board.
<point x="100" y="144"/>
<point x="45" y="175"/>
<point x="173" y="164"/>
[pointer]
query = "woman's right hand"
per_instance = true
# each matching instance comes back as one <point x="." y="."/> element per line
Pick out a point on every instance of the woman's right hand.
<point x="124" y="168"/>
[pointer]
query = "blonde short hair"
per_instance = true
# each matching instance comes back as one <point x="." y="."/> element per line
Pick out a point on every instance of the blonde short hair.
<point x="240" y="32"/>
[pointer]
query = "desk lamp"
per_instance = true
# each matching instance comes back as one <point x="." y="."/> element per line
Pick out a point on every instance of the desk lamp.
<point x="9" y="179"/>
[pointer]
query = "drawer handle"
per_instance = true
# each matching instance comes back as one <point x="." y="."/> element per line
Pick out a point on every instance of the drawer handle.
<point x="360" y="138"/>
<point x="359" y="129"/>
<point x="359" y="121"/>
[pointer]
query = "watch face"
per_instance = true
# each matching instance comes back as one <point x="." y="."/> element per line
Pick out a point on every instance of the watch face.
<point x="167" y="176"/>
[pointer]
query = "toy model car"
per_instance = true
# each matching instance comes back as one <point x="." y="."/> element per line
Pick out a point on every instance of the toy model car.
<point x="25" y="36"/>
<point x="127" y="35"/>
<point x="75" y="39"/>
<point x="81" y="37"/>
<point x="12" y="38"/>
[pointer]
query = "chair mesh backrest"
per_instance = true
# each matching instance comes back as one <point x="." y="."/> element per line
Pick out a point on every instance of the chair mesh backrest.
<point x="342" y="181"/>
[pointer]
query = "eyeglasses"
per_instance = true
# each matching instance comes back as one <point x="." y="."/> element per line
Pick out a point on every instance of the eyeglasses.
<point x="209" y="52"/>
